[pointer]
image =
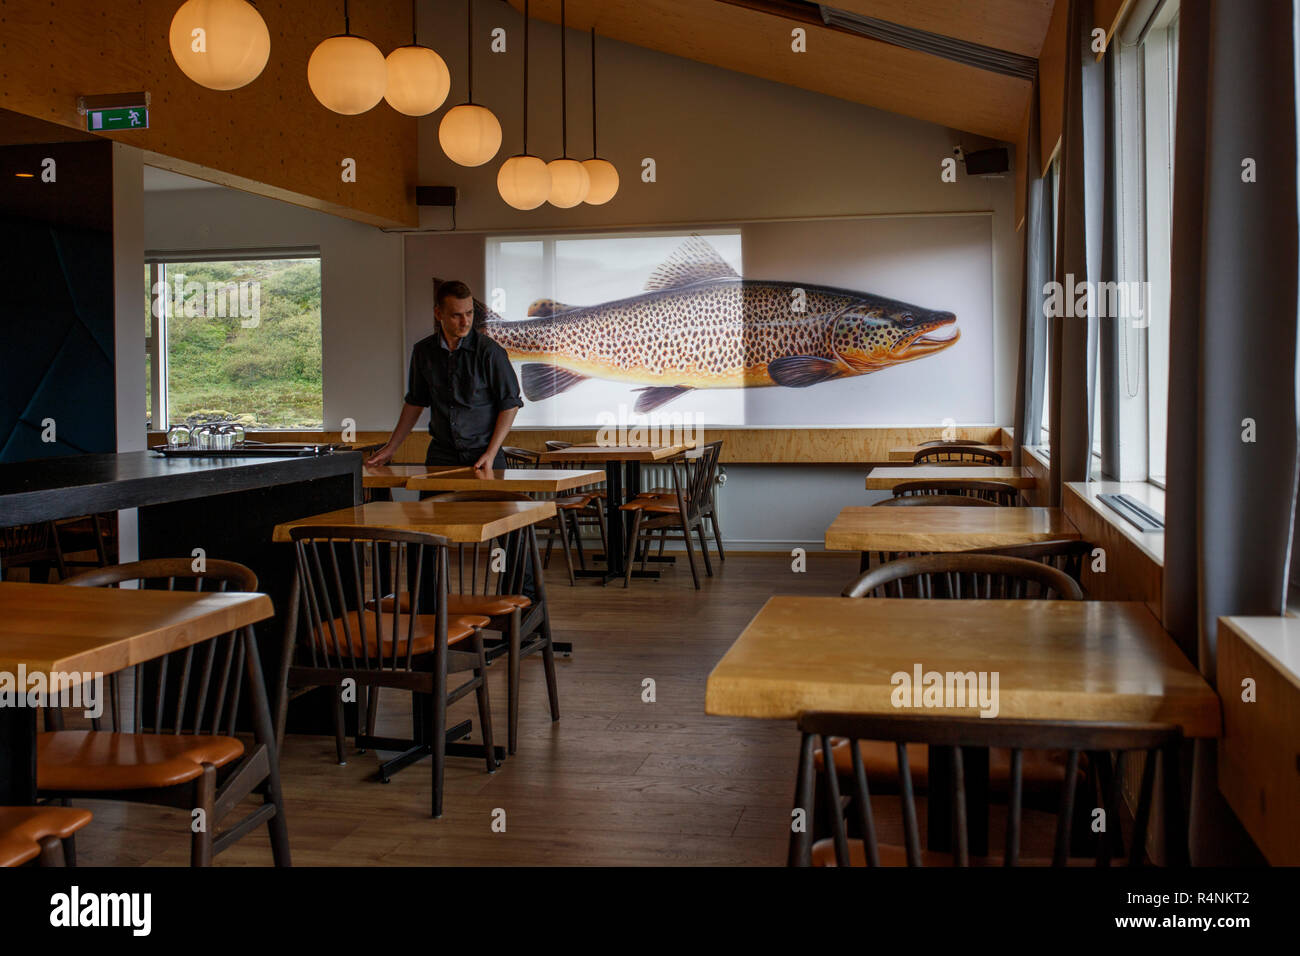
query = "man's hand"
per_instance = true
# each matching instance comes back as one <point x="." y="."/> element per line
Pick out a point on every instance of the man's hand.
<point x="382" y="457"/>
<point x="485" y="460"/>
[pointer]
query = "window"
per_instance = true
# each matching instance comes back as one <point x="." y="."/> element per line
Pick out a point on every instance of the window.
<point x="234" y="337"/>
<point x="1054" y="184"/>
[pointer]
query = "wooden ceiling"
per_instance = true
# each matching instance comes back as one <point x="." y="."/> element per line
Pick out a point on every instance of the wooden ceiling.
<point x="840" y="64"/>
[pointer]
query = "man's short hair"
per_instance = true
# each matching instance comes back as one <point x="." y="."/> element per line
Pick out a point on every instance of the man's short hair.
<point x="452" y="289"/>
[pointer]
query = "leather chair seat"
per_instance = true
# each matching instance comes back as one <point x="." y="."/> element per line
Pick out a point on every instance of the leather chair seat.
<point x="23" y="828"/>
<point x="575" y="502"/>
<point x="662" y="506"/>
<point x="484" y="605"/>
<point x="1041" y="771"/>
<point x="424" y="641"/>
<point x="92" y="760"/>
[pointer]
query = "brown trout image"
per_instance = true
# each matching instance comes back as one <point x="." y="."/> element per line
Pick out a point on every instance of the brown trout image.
<point x="700" y="325"/>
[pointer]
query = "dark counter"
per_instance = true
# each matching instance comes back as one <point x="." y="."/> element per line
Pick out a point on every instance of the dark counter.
<point x="67" y="487"/>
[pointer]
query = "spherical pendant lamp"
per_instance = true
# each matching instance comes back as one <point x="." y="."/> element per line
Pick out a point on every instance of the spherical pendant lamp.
<point x="346" y="73"/>
<point x="524" y="181"/>
<point x="470" y="134"/>
<point x="601" y="172"/>
<point x="603" y="178"/>
<point x="418" y="80"/>
<point x="220" y="44"/>
<point x="570" y="183"/>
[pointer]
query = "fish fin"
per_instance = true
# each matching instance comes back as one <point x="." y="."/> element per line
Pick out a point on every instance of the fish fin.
<point x="545" y="307"/>
<point x="800" y="371"/>
<point x="543" y="381"/>
<point x="693" y="261"/>
<point x="656" y="395"/>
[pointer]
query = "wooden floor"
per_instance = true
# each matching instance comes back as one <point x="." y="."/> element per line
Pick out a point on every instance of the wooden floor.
<point x="616" y="781"/>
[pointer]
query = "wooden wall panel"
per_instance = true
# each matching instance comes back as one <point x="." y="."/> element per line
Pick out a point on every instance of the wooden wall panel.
<point x="1259" y="755"/>
<point x="792" y="446"/>
<point x="1130" y="573"/>
<point x="1051" y="80"/>
<point x="1107" y="14"/>
<point x="271" y="132"/>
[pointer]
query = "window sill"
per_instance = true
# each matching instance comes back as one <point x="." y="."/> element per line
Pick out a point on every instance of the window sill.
<point x="1151" y="543"/>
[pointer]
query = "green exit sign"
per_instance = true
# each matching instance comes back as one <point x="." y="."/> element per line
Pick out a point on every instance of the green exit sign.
<point x="133" y="117"/>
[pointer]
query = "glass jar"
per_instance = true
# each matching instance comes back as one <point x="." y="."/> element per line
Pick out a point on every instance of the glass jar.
<point x="178" y="436"/>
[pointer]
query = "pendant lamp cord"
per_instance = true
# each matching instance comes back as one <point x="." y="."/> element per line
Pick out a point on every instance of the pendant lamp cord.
<point x="469" y="6"/>
<point x="564" y="86"/>
<point x="594" y="154"/>
<point x="413" y="37"/>
<point x="347" y="22"/>
<point x="525" y="77"/>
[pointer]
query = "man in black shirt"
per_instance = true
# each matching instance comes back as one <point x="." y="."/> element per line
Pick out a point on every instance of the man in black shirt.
<point x="472" y="393"/>
<point x="466" y="381"/>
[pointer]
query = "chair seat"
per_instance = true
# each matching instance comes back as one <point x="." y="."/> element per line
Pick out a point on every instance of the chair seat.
<point x="1041" y="771"/>
<point x="661" y="506"/>
<point x="23" y="828"/>
<point x="488" y="605"/>
<point x="575" y="502"/>
<point x="93" y="760"/>
<point x="424" y="640"/>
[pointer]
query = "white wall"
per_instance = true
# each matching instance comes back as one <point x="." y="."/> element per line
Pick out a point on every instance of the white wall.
<point x="361" y="286"/>
<point x="128" y="319"/>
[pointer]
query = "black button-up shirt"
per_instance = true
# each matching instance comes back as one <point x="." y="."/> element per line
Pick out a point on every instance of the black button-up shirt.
<point x="465" y="390"/>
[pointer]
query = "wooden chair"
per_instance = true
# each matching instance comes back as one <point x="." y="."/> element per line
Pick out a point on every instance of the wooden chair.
<point x="679" y="513"/>
<point x="954" y="453"/>
<point x="180" y="748"/>
<point x="708" y="457"/>
<point x="1067" y="556"/>
<point x="343" y="575"/>
<point x="1019" y="738"/>
<point x="572" y="511"/>
<point x="480" y="583"/>
<point x="41" y="835"/>
<point x="998" y="492"/>
<point x="949" y="442"/>
<point x="939" y="500"/>
<point x="32" y="546"/>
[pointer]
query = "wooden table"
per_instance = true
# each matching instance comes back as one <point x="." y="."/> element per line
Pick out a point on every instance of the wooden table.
<point x="396" y="476"/>
<point x="461" y="522"/>
<point x="1055" y="660"/>
<point x="887" y="477"/>
<point x="906" y="452"/>
<point x="618" y="492"/>
<point x="942" y="529"/>
<point x="526" y="480"/>
<point x="48" y="628"/>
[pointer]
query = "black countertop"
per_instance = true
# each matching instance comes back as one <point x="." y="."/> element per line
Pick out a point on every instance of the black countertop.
<point x="66" y="487"/>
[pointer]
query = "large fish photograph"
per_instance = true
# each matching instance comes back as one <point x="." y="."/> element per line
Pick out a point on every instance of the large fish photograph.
<point x="697" y="324"/>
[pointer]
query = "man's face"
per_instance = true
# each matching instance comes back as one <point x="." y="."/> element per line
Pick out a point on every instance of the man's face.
<point x="456" y="316"/>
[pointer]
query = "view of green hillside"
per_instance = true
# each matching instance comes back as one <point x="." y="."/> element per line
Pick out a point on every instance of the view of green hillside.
<point x="267" y="375"/>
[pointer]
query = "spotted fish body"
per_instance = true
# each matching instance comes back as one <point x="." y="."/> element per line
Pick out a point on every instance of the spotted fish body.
<point x="699" y="325"/>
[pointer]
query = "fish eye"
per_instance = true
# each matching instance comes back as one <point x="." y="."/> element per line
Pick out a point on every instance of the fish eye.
<point x="907" y="318"/>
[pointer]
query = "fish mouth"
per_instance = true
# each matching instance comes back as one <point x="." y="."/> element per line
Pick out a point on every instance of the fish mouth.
<point x="935" y="338"/>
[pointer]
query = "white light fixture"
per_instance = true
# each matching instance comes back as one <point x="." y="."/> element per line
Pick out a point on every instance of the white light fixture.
<point x="470" y="134"/>
<point x="601" y="172"/>
<point x="418" y="80"/>
<point x="524" y="181"/>
<point x="220" y="44"/>
<point x="570" y="182"/>
<point x="346" y="73"/>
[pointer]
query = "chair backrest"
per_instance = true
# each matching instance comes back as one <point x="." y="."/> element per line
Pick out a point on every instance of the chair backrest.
<point x="521" y="457"/>
<point x="966" y="575"/>
<point x="196" y="690"/>
<point x="1158" y="742"/>
<point x="952" y="501"/>
<point x="1064" y="555"/>
<point x="949" y="442"/>
<point x="364" y="594"/>
<point x="957" y="453"/>
<point x="999" y="492"/>
<point x="555" y="444"/>
<point x="481" y="567"/>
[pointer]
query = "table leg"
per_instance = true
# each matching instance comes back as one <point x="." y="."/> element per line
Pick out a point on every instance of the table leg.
<point x="17" y="756"/>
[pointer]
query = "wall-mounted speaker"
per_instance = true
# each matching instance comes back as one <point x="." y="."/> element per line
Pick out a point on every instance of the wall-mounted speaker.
<point x="988" y="162"/>
<point x="435" y="195"/>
